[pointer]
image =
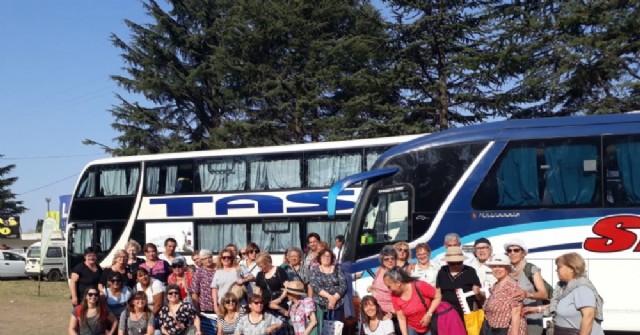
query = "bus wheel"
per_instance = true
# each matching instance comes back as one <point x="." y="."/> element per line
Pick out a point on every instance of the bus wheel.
<point x="54" y="275"/>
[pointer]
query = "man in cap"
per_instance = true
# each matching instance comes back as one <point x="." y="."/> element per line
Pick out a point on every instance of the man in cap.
<point x="483" y="252"/>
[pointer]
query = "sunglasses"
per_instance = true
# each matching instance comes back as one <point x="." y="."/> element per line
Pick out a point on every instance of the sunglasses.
<point x="231" y="302"/>
<point x="388" y="259"/>
<point x="173" y="293"/>
<point x="260" y="302"/>
<point x="513" y="250"/>
<point x="402" y="249"/>
<point x="252" y="251"/>
<point x="92" y="295"/>
<point x="226" y="257"/>
<point x="115" y="281"/>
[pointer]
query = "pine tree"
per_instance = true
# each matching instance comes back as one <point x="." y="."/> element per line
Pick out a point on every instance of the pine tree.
<point x="443" y="64"/>
<point x="570" y="57"/>
<point x="8" y="205"/>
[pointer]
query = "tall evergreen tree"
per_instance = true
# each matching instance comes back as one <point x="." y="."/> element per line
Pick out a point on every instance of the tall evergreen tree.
<point x="220" y="73"/>
<point x="442" y="62"/>
<point x="569" y="57"/>
<point x="9" y="206"/>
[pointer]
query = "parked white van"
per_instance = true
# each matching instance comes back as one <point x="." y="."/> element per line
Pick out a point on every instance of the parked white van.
<point x="54" y="261"/>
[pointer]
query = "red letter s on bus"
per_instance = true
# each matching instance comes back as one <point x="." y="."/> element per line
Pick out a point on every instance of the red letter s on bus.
<point x="614" y="234"/>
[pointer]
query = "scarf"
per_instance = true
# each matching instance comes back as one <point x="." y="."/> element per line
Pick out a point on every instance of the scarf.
<point x="517" y="270"/>
<point x="563" y="289"/>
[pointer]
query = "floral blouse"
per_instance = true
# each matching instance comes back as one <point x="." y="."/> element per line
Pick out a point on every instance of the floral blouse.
<point x="497" y="308"/>
<point x="332" y="283"/>
<point x="201" y="285"/>
<point x="185" y="315"/>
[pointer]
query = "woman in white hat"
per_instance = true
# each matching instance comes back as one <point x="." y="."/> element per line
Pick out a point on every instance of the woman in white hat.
<point x="456" y="275"/>
<point x="530" y="281"/>
<point x="503" y="313"/>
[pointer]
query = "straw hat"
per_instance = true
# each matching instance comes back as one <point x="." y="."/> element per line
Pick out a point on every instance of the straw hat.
<point x="454" y="254"/>
<point x="295" y="288"/>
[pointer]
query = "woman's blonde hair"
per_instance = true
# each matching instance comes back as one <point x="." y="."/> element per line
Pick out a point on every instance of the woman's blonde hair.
<point x="132" y="243"/>
<point x="234" y="260"/>
<point x="120" y="252"/>
<point x="228" y="296"/>
<point x="262" y="258"/>
<point x="574" y="261"/>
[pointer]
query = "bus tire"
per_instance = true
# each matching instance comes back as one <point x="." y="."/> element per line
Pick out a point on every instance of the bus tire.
<point x="54" y="275"/>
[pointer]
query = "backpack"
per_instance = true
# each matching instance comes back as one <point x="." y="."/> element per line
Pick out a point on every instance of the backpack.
<point x="527" y="272"/>
<point x="104" y="317"/>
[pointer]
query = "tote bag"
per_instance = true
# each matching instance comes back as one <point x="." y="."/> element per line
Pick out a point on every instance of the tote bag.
<point x="332" y="327"/>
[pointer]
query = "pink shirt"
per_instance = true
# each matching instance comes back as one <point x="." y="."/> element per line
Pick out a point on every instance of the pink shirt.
<point x="382" y="294"/>
<point x="413" y="309"/>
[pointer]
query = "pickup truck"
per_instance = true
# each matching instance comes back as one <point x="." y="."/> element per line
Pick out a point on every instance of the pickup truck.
<point x="11" y="265"/>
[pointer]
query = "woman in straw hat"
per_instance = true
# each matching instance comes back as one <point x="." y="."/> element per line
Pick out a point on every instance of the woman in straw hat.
<point x="302" y="309"/>
<point x="456" y="275"/>
<point x="502" y="312"/>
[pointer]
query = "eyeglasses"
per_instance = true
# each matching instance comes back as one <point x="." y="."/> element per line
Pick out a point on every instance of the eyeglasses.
<point x="231" y="302"/>
<point x="388" y="259"/>
<point x="92" y="295"/>
<point x="226" y="257"/>
<point x="402" y="250"/>
<point x="513" y="250"/>
<point x="258" y="302"/>
<point x="173" y="293"/>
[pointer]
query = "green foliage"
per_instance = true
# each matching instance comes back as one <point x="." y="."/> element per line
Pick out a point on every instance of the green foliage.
<point x="8" y="205"/>
<point x="221" y="73"/>
<point x="569" y="57"/>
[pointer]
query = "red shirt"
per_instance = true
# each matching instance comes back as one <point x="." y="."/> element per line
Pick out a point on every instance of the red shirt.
<point x="413" y="309"/>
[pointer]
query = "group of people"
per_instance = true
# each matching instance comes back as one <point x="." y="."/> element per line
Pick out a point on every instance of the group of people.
<point x="509" y="290"/>
<point x="249" y="295"/>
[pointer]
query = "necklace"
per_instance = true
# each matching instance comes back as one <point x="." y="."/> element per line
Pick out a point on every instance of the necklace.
<point x="260" y="317"/>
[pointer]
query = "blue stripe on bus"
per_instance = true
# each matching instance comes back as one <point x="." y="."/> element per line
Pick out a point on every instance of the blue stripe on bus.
<point x="564" y="246"/>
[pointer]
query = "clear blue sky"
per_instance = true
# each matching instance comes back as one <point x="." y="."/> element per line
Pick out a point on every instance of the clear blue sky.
<point x="55" y="91"/>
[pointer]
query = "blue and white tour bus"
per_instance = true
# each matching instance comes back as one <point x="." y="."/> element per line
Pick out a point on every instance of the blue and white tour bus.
<point x="272" y="196"/>
<point x="560" y="184"/>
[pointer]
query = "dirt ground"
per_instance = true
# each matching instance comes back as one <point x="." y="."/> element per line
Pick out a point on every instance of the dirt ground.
<point x="23" y="312"/>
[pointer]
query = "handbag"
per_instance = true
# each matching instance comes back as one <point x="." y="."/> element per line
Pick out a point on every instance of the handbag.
<point x="473" y="322"/>
<point x="332" y="327"/>
<point x="445" y="319"/>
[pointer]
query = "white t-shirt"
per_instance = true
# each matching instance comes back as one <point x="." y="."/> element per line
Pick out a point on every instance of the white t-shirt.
<point x="427" y="275"/>
<point x="484" y="273"/>
<point x="385" y="327"/>
<point x="338" y="253"/>
<point x="163" y="257"/>
<point x="153" y="289"/>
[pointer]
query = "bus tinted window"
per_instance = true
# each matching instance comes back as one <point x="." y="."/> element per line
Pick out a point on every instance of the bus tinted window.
<point x="543" y="173"/>
<point x="222" y="175"/>
<point x="276" y="236"/>
<point x="169" y="178"/>
<point x="324" y="170"/>
<point x="327" y="229"/>
<point x="436" y="171"/>
<point x="387" y="217"/>
<point x="216" y="236"/>
<point x="622" y="170"/>
<point x="109" y="180"/>
<point x="273" y="174"/>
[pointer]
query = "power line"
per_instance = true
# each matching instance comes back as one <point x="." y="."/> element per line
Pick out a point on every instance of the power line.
<point x="47" y="185"/>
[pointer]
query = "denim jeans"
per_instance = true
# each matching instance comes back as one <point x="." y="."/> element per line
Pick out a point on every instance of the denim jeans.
<point x="412" y="331"/>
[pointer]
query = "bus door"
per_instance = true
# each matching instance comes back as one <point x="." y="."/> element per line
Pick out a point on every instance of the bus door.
<point x="101" y="236"/>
